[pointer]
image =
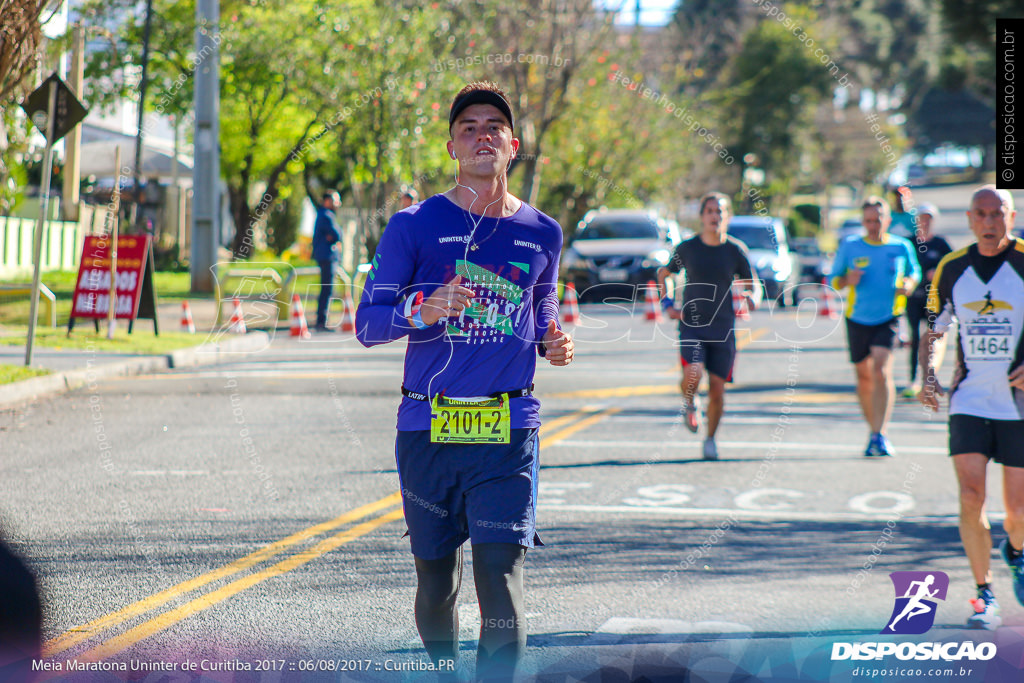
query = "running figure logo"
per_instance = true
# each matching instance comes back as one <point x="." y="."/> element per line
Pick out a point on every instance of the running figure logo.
<point x="916" y="593"/>
<point x="988" y="304"/>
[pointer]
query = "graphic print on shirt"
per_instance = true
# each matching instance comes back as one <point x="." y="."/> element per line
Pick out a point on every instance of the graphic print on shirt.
<point x="488" y="317"/>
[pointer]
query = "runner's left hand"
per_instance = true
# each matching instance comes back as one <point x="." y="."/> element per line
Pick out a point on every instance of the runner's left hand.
<point x="558" y="346"/>
<point x="1017" y="378"/>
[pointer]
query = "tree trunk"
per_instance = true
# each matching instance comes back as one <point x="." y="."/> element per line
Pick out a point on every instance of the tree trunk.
<point x="242" y="246"/>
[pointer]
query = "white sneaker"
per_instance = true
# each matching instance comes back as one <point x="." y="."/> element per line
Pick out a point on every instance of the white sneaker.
<point x="710" y="450"/>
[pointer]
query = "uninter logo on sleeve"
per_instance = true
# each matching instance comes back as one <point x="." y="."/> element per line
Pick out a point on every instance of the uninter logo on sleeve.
<point x="528" y="245"/>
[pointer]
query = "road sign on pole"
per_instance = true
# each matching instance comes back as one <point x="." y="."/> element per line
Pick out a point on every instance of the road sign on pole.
<point x="55" y="110"/>
<point x="67" y="113"/>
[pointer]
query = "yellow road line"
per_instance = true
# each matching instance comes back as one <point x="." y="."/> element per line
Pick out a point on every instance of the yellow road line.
<point x="618" y="392"/>
<point x="813" y="397"/>
<point x="559" y="421"/>
<point x="172" y="617"/>
<point x="651" y="389"/>
<point x="573" y="428"/>
<point x="80" y="633"/>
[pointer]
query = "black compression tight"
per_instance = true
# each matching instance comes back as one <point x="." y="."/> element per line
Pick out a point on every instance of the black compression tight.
<point x="498" y="574"/>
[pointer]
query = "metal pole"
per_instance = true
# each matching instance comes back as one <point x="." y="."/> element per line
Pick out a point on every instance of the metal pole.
<point x="206" y="171"/>
<point x="112" y="309"/>
<point x="37" y="242"/>
<point x="73" y="141"/>
<point x="141" y="134"/>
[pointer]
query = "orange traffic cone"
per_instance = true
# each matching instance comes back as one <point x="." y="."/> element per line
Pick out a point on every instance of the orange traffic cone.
<point x="237" y="324"/>
<point x="186" y="319"/>
<point x="348" y="323"/>
<point x="653" y="312"/>
<point x="571" y="305"/>
<point x="739" y="304"/>
<point x="299" y="327"/>
<point x="826" y="307"/>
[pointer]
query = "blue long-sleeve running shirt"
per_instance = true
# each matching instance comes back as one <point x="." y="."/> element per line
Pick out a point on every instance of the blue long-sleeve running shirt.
<point x="493" y="345"/>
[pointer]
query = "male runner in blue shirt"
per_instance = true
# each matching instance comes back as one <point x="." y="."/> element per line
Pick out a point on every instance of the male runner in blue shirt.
<point x="470" y="276"/>
<point x="881" y="270"/>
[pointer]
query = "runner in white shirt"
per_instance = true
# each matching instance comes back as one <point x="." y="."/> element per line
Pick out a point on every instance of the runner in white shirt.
<point x="982" y="288"/>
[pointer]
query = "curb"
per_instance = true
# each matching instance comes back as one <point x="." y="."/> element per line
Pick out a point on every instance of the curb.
<point x="60" y="382"/>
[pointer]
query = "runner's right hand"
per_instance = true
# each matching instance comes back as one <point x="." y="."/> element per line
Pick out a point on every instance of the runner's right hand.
<point x="448" y="299"/>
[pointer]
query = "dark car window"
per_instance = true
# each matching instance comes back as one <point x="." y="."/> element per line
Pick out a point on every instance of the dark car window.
<point x="755" y="237"/>
<point x="619" y="229"/>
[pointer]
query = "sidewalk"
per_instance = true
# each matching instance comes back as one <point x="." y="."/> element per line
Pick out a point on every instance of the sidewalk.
<point x="73" y="368"/>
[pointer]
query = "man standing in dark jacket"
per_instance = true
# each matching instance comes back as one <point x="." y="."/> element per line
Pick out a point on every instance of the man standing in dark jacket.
<point x="325" y="235"/>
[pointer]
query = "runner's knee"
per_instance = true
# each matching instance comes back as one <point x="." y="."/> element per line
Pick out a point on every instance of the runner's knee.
<point x="437" y="580"/>
<point x="972" y="498"/>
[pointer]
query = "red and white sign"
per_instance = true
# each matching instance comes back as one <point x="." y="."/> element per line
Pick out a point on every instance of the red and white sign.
<point x="92" y="290"/>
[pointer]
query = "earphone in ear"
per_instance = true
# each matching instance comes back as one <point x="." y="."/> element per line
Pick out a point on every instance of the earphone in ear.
<point x="452" y="154"/>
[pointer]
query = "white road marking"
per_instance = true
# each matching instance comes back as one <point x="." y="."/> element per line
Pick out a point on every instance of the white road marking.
<point x="830" y="449"/>
<point x="898" y="502"/>
<point x="725" y="513"/>
<point x="812" y="416"/>
<point x="762" y="515"/>
<point x="749" y="500"/>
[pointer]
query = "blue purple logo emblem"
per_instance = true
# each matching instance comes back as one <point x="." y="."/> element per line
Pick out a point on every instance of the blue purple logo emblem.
<point x="917" y="594"/>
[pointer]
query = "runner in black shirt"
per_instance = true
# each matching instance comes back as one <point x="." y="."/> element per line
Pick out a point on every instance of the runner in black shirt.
<point x="711" y="261"/>
<point x="930" y="249"/>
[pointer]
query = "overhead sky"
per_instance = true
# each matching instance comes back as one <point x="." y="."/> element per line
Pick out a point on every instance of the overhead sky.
<point x="652" y="12"/>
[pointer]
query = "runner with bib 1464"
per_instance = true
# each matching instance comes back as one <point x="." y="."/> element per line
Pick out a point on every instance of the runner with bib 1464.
<point x="982" y="288"/>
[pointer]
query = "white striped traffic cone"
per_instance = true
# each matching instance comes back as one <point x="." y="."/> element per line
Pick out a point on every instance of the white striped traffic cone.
<point x="237" y="324"/>
<point x="186" y="319"/>
<point x="299" y="327"/>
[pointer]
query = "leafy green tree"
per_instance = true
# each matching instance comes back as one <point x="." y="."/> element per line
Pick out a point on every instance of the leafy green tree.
<point x="21" y="45"/>
<point x="775" y="85"/>
<point x="539" y="51"/>
<point x="387" y="128"/>
<point x="974" y="21"/>
<point x="294" y="74"/>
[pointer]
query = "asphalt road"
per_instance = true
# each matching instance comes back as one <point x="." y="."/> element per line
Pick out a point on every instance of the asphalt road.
<point x="247" y="515"/>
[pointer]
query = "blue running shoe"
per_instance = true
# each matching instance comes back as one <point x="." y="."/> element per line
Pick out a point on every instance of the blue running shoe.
<point x="986" y="612"/>
<point x="885" y="449"/>
<point x="1016" y="568"/>
<point x="877" y="447"/>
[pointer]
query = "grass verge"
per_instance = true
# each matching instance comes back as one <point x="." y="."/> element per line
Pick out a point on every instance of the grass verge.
<point x="84" y="337"/>
<point x="16" y="373"/>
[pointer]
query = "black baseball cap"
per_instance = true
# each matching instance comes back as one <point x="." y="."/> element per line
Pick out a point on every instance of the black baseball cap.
<point x="480" y="97"/>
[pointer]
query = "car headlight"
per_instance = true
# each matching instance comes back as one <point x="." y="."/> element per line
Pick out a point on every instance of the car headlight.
<point x="783" y="269"/>
<point x="774" y="268"/>
<point x="656" y="258"/>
